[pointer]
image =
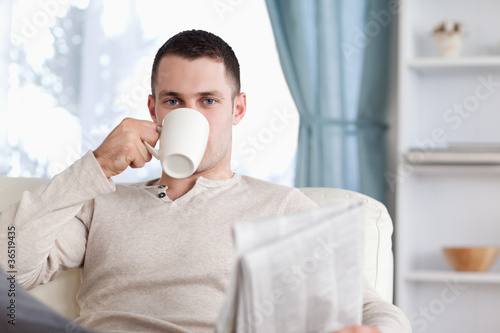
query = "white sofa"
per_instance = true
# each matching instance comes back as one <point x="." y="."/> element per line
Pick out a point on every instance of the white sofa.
<point x="60" y="294"/>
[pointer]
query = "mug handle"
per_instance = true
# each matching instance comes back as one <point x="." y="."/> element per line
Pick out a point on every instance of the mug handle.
<point x="153" y="151"/>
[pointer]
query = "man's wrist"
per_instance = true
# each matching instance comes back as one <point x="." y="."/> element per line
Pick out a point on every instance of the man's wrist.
<point x="101" y="163"/>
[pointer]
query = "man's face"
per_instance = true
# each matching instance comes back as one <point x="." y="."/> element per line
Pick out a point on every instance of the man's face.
<point x="202" y="85"/>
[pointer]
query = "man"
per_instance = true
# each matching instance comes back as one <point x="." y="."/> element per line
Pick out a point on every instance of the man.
<point x="156" y="256"/>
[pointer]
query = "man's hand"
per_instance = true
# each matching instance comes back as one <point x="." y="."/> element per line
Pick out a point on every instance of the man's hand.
<point x="124" y="146"/>
<point x="359" y="329"/>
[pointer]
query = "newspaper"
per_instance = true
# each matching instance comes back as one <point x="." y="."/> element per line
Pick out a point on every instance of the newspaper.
<point x="297" y="273"/>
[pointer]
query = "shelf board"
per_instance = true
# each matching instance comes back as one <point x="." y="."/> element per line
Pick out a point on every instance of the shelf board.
<point x="453" y="157"/>
<point x="443" y="63"/>
<point x="453" y="169"/>
<point x="453" y="276"/>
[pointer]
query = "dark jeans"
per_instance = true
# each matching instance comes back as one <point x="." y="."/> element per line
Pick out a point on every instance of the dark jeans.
<point x="27" y="313"/>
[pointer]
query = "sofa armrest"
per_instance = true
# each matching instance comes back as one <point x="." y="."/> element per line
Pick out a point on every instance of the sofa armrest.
<point x="378" y="256"/>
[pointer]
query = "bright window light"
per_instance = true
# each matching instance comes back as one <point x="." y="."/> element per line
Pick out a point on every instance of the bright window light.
<point x="76" y="69"/>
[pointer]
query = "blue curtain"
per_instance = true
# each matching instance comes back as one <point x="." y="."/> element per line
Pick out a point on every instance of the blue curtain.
<point x="334" y="55"/>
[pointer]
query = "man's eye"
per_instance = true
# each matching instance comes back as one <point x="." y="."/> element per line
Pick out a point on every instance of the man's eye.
<point x="172" y="102"/>
<point x="209" y="101"/>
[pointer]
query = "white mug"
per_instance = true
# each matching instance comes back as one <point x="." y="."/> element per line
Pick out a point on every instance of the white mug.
<point x="183" y="140"/>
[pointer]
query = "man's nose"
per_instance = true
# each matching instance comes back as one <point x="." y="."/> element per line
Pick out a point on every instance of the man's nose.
<point x="191" y="105"/>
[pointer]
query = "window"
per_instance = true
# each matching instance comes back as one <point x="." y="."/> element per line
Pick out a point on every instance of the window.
<point x="76" y="68"/>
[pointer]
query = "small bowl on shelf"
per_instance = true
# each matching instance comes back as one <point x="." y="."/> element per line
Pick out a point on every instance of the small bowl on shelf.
<point x="471" y="259"/>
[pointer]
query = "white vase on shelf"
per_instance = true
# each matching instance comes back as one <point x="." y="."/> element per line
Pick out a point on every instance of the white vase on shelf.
<point x="449" y="45"/>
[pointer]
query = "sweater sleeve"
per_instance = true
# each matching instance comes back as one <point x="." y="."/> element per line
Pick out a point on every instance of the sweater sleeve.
<point x="379" y="313"/>
<point x="49" y="237"/>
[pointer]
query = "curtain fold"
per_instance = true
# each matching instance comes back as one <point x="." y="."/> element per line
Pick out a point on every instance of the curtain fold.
<point x="334" y="56"/>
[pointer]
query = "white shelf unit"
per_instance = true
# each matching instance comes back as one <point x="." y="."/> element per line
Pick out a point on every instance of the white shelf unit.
<point x="441" y="102"/>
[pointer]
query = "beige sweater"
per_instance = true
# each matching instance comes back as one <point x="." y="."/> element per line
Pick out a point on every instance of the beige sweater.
<point x="149" y="264"/>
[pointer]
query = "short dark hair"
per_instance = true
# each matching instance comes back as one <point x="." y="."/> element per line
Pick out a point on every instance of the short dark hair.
<point x="194" y="44"/>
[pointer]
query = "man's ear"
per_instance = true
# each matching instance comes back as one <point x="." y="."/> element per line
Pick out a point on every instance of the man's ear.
<point x="151" y="107"/>
<point x="240" y="107"/>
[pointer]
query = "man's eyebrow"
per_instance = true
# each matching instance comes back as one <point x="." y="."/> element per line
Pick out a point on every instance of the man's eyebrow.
<point x="169" y="93"/>
<point x="215" y="93"/>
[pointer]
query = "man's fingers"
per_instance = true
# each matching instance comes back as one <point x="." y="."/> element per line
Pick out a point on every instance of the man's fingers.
<point x="142" y="156"/>
<point x="144" y="152"/>
<point x="150" y="134"/>
<point x="147" y="131"/>
<point x="124" y="146"/>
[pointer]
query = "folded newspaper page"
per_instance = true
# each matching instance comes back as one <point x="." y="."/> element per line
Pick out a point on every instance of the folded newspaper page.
<point x="297" y="273"/>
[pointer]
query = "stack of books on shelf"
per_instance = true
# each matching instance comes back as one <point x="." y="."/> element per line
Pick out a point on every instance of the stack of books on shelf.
<point x="458" y="154"/>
